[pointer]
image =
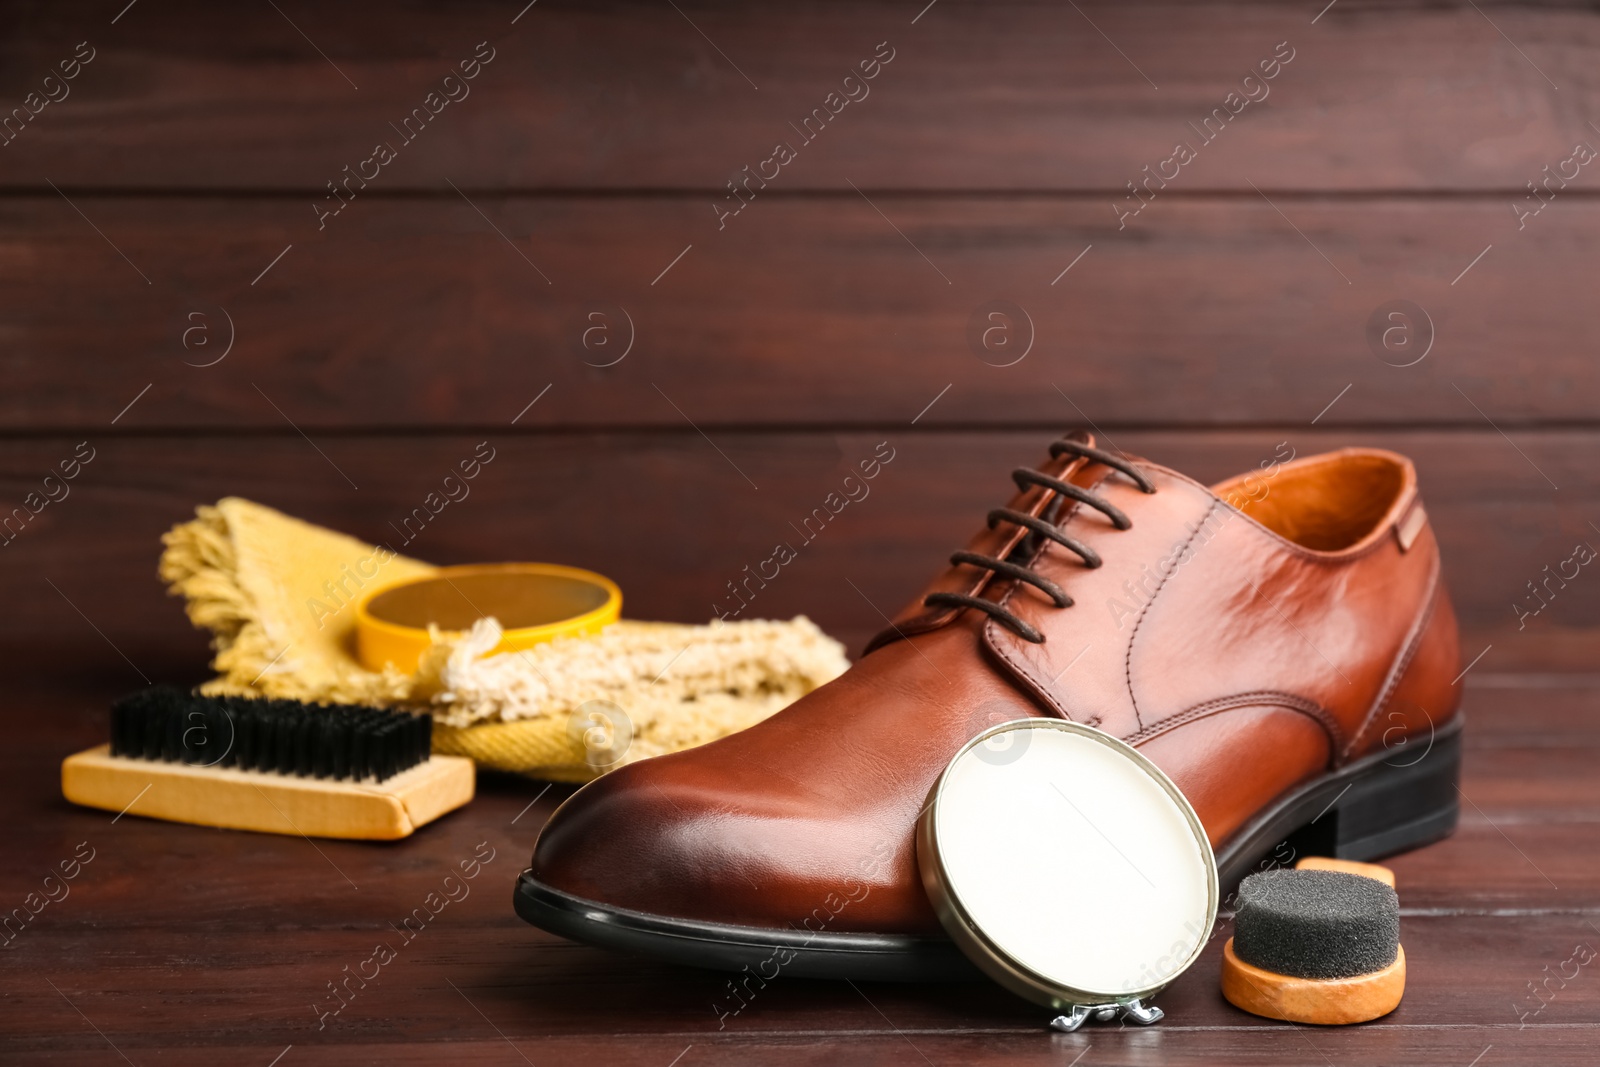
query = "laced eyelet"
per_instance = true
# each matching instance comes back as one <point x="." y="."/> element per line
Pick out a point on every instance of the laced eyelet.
<point x="1067" y="447"/>
<point x="1026" y="477"/>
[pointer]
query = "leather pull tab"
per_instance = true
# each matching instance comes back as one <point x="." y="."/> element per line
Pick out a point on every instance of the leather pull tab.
<point x="1410" y="525"/>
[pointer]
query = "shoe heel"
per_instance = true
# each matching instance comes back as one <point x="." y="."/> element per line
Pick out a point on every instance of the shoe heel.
<point x="1403" y="801"/>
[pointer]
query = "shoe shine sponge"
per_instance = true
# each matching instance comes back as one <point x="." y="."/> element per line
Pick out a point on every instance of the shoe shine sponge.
<point x="1315" y="946"/>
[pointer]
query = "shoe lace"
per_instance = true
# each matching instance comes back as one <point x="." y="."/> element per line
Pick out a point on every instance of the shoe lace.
<point x="1041" y="527"/>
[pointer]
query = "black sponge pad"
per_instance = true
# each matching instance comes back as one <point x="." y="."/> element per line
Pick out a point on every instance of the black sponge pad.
<point x="1316" y="924"/>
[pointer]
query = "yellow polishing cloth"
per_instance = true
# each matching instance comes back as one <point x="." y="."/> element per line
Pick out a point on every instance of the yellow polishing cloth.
<point x="279" y="596"/>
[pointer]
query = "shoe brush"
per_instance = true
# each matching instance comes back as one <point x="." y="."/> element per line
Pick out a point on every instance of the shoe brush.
<point x="1317" y="944"/>
<point x="274" y="766"/>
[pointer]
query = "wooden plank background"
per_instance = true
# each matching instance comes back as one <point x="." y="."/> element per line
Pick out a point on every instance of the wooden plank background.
<point x="556" y="233"/>
<point x="808" y="310"/>
<point x="673" y="521"/>
<point x="626" y="96"/>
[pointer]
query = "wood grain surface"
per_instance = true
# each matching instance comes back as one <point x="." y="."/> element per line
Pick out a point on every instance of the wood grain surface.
<point x="995" y="96"/>
<point x="674" y="516"/>
<point x="179" y="943"/>
<point x="417" y="312"/>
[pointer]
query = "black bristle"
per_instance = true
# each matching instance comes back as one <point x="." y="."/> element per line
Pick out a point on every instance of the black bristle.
<point x="424" y="725"/>
<point x="340" y="746"/>
<point x="288" y="727"/>
<point x="151" y="732"/>
<point x="304" y="743"/>
<point x="360" y="745"/>
<point x="166" y="723"/>
<point x="388" y="751"/>
<point x="171" y="733"/>
<point x="330" y="750"/>
<point x="310" y="745"/>
<point x="246" y="738"/>
<point x="238" y="751"/>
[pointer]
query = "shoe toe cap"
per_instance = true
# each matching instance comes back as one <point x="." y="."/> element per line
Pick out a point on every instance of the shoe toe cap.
<point x="646" y="838"/>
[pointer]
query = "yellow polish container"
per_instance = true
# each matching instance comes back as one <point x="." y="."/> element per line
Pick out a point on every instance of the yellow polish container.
<point x="533" y="602"/>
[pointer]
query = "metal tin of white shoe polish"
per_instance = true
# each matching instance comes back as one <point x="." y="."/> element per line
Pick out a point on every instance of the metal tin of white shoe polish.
<point x="1068" y="868"/>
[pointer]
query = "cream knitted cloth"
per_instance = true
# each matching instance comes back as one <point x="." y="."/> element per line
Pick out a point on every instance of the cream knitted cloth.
<point x="279" y="594"/>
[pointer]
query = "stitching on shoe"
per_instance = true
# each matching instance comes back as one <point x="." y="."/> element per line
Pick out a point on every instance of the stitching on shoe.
<point x="1127" y="659"/>
<point x="1258" y="698"/>
<point x="1419" y="631"/>
<point x="991" y="631"/>
<point x="1278" y="544"/>
<point x="1020" y="671"/>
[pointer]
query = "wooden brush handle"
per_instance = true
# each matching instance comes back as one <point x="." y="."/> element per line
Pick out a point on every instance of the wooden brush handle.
<point x="269" y="803"/>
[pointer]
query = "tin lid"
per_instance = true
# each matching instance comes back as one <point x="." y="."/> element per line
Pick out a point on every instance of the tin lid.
<point x="1068" y="867"/>
<point x="532" y="602"/>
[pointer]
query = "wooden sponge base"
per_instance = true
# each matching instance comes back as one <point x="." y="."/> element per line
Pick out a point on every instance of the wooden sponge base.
<point x="269" y="803"/>
<point x="1326" y="1001"/>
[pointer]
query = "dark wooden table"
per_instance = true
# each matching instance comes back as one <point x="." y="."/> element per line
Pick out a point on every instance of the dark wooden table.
<point x="181" y="945"/>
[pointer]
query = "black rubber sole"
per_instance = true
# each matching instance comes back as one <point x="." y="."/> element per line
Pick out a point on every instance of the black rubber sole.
<point x="1386" y="803"/>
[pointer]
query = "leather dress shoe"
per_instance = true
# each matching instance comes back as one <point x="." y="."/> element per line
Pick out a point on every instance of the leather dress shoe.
<point x="1281" y="645"/>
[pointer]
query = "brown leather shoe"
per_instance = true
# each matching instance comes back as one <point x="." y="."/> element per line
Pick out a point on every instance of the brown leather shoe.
<point x="1280" y="644"/>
